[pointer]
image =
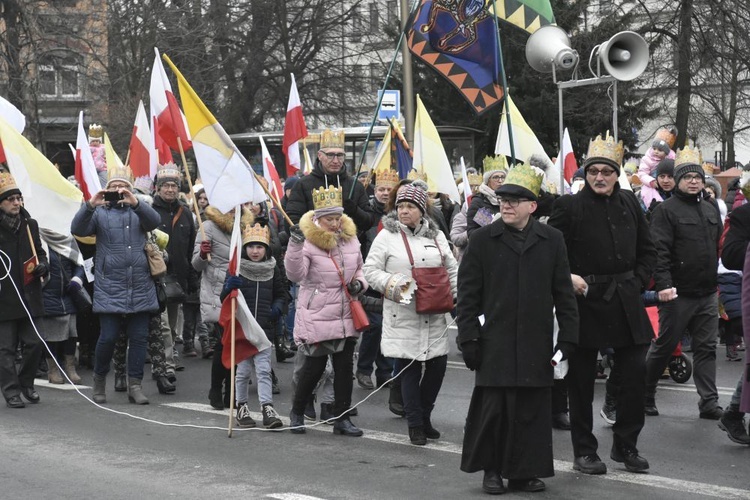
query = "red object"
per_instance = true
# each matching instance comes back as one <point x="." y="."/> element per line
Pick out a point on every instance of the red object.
<point x="2" y="153"/>
<point x="161" y="146"/>
<point x="28" y="269"/>
<point x="140" y="156"/>
<point x="653" y="316"/>
<point x="243" y="349"/>
<point x="294" y="130"/>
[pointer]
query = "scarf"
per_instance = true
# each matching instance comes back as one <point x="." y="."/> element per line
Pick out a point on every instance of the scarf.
<point x="489" y="194"/>
<point x="257" y="271"/>
<point x="10" y="222"/>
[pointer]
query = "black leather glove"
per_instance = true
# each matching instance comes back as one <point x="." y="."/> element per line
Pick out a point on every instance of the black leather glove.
<point x="354" y="287"/>
<point x="296" y="234"/>
<point x="40" y="270"/>
<point x="350" y="207"/>
<point x="566" y="348"/>
<point x="472" y="355"/>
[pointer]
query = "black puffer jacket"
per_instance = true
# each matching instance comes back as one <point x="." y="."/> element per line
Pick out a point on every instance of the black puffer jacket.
<point x="57" y="301"/>
<point x="686" y="231"/>
<point x="181" y="233"/>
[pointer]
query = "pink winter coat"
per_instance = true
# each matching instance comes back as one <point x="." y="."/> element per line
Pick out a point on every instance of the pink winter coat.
<point x="323" y="311"/>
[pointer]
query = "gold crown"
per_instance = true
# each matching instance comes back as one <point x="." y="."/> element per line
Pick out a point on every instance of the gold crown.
<point x="491" y="163"/>
<point x="474" y="179"/>
<point x="687" y="155"/>
<point x="327" y="198"/>
<point x="525" y="176"/>
<point x="119" y="173"/>
<point x="709" y="168"/>
<point x="168" y="170"/>
<point x="387" y="178"/>
<point x="668" y="135"/>
<point x="96" y="132"/>
<point x="332" y="139"/>
<point x="606" y="148"/>
<point x="256" y="234"/>
<point x="413" y="175"/>
<point x="7" y="182"/>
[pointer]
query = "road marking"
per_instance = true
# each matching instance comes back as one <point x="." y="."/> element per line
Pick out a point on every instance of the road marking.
<point x="292" y="496"/>
<point x="648" y="480"/>
<point x="60" y="387"/>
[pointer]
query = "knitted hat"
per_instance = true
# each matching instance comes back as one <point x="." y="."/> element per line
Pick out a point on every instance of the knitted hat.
<point x="413" y="194"/>
<point x="688" y="160"/>
<point x="661" y="145"/>
<point x="713" y="183"/>
<point x="578" y="174"/>
<point x="8" y="186"/>
<point x="169" y="172"/>
<point x="666" y="166"/>
<point x="490" y="173"/>
<point x="290" y="182"/>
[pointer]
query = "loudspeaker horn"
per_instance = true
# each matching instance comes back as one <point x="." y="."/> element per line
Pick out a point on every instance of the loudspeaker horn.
<point x="624" y="56"/>
<point x="548" y="46"/>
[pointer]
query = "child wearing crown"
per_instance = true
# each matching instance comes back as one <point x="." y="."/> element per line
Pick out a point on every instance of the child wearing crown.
<point x="262" y="285"/>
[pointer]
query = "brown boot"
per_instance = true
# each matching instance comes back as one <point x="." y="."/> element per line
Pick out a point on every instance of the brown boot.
<point x="53" y="372"/>
<point x="70" y="369"/>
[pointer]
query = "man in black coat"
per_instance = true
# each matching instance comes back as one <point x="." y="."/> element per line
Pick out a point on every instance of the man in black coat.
<point x="686" y="230"/>
<point x="330" y="170"/>
<point x="513" y="273"/>
<point x="611" y="258"/>
<point x="17" y="232"/>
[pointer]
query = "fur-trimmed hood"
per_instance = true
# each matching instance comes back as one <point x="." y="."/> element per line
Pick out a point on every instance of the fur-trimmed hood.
<point x="322" y="238"/>
<point x="225" y="222"/>
<point x="428" y="227"/>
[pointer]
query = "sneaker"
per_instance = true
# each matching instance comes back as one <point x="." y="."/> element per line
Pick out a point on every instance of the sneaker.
<point x="732" y="354"/>
<point x="243" y="417"/>
<point x="271" y="419"/>
<point x="714" y="413"/>
<point x="609" y="414"/>
<point x="365" y="381"/>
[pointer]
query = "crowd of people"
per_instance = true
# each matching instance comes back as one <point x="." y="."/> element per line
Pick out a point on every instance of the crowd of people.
<point x="377" y="265"/>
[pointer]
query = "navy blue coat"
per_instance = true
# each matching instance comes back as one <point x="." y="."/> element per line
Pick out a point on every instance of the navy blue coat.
<point x="122" y="280"/>
<point x="57" y="301"/>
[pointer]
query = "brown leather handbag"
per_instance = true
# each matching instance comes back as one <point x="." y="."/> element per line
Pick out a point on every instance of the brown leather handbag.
<point x="359" y="316"/>
<point x="433" y="294"/>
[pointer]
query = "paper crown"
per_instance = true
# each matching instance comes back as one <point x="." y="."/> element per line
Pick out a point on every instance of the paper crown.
<point x="327" y="198"/>
<point x="413" y="175"/>
<point x="96" y="132"/>
<point x="116" y="173"/>
<point x="256" y="234"/>
<point x="668" y="135"/>
<point x="8" y="185"/>
<point x="491" y="163"/>
<point x="524" y="176"/>
<point x="474" y="179"/>
<point x="168" y="171"/>
<point x="709" y="168"/>
<point x="387" y="178"/>
<point x="686" y="156"/>
<point x="606" y="150"/>
<point x="332" y="139"/>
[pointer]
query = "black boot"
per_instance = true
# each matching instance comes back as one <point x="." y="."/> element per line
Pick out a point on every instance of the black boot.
<point x="121" y="383"/>
<point x="416" y="436"/>
<point x="164" y="385"/>
<point x="282" y="351"/>
<point x="215" y="399"/>
<point x="649" y="406"/>
<point x="395" y="400"/>
<point x="345" y="427"/>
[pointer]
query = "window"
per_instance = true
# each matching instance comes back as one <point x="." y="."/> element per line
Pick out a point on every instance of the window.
<point x="392" y="11"/>
<point x="606" y="6"/>
<point x="59" y="76"/>
<point x="376" y="76"/>
<point x="374" y="17"/>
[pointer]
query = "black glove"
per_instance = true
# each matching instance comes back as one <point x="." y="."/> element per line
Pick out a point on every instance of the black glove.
<point x="472" y="355"/>
<point x="275" y="313"/>
<point x="566" y="348"/>
<point x="350" y="207"/>
<point x="296" y="234"/>
<point x="40" y="270"/>
<point x="232" y="283"/>
<point x="354" y="287"/>
<point x="73" y="286"/>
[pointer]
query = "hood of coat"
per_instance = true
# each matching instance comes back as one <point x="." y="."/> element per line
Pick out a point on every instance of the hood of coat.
<point x="322" y="238"/>
<point x="428" y="228"/>
<point x="225" y="222"/>
<point x="336" y="180"/>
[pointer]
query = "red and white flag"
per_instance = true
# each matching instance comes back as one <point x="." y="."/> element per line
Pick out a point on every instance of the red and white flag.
<point x="270" y="172"/>
<point x="14" y="117"/>
<point x="566" y="160"/>
<point x="249" y="337"/>
<point x="166" y="117"/>
<point x="142" y="154"/>
<point x="85" y="170"/>
<point x="465" y="182"/>
<point x="294" y="130"/>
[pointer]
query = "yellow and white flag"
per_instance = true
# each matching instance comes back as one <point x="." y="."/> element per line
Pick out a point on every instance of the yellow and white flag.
<point x="524" y="139"/>
<point x="113" y="161"/>
<point x="430" y="158"/>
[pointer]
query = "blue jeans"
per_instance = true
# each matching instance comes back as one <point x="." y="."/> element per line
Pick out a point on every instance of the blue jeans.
<point x="369" y="351"/>
<point x="262" y="364"/>
<point x="293" y="291"/>
<point x="136" y="329"/>
<point x="420" y="391"/>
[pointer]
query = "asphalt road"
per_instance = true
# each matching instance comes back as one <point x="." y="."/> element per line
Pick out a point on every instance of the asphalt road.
<point x="67" y="448"/>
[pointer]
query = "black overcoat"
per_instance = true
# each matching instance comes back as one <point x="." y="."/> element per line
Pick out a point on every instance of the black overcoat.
<point x="515" y="292"/>
<point x="608" y="235"/>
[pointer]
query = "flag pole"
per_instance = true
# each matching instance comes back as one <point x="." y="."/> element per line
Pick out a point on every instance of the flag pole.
<point x="274" y="200"/>
<point x="190" y="185"/>
<point x="505" y="85"/>
<point x="231" y="368"/>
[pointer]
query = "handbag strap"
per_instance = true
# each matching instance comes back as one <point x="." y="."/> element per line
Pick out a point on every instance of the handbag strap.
<point x="341" y="277"/>
<point x="176" y="217"/>
<point x="411" y="257"/>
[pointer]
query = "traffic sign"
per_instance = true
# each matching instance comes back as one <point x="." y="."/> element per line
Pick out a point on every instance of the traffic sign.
<point x="390" y="106"/>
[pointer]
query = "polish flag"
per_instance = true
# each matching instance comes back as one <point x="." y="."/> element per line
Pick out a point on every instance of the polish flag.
<point x="294" y="130"/>
<point x="465" y="182"/>
<point x="249" y="337"/>
<point x="270" y="172"/>
<point x="566" y="160"/>
<point x="142" y="158"/>
<point x="85" y="170"/>
<point x="168" y="121"/>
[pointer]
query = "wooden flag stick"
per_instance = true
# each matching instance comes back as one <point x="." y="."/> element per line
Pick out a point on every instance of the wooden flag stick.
<point x="274" y="200"/>
<point x="231" y="370"/>
<point x="190" y="185"/>
<point x="31" y="240"/>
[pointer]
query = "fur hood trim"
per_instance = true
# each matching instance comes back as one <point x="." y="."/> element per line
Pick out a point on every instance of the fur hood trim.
<point x="225" y="222"/>
<point x="322" y="238"/>
<point x="428" y="229"/>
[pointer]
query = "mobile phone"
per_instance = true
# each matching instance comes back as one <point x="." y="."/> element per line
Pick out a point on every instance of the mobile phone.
<point x="112" y="196"/>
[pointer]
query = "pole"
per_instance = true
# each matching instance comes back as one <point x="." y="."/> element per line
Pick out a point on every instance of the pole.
<point x="561" y="127"/>
<point x="274" y="200"/>
<point x="231" y="370"/>
<point x="505" y="85"/>
<point x="614" y="109"/>
<point x="408" y="83"/>
<point x="190" y="185"/>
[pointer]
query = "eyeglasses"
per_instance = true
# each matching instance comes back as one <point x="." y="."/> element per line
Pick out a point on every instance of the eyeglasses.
<point x="16" y="198"/>
<point x="497" y="178"/>
<point x="606" y="172"/>
<point x="512" y="202"/>
<point x="692" y="177"/>
<point x="170" y="185"/>
<point x="331" y="156"/>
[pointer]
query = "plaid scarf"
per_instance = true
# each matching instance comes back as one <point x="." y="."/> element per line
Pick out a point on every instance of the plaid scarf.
<point x="10" y="222"/>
